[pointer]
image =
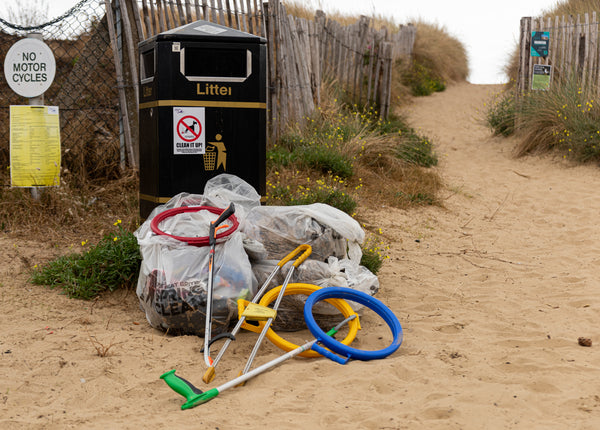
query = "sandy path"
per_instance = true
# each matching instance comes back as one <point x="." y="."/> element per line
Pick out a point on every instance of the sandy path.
<point x="501" y="284"/>
<point x="492" y="290"/>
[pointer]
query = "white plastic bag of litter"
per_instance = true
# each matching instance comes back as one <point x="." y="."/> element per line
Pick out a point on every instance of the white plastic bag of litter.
<point x="329" y="231"/>
<point x="173" y="280"/>
<point x="337" y="273"/>
<point x="231" y="188"/>
<point x="332" y="273"/>
<point x="180" y="200"/>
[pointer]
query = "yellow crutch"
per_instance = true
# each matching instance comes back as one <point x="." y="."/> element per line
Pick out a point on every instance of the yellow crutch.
<point x="306" y="250"/>
<point x="269" y="320"/>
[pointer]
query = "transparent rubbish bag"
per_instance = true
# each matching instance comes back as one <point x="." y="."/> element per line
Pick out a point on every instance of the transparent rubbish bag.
<point x="173" y="280"/>
<point x="329" y="231"/>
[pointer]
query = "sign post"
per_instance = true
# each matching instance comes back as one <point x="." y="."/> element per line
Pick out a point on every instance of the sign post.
<point x="29" y="69"/>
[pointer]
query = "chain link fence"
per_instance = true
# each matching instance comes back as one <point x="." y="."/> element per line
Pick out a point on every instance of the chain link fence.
<point x="84" y="89"/>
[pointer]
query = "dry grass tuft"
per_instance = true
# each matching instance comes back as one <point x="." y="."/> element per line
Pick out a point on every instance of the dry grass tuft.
<point x="511" y="68"/>
<point x="389" y="181"/>
<point x="572" y="7"/>
<point x="300" y="10"/>
<point x="441" y="52"/>
<point x="68" y="214"/>
<point x="102" y="350"/>
<point x="564" y="118"/>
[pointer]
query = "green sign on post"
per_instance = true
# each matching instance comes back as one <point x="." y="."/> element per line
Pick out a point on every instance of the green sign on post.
<point x="540" y="43"/>
<point x="541" y="77"/>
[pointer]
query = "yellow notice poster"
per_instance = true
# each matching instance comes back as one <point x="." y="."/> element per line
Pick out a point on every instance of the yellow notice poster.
<point x="34" y="146"/>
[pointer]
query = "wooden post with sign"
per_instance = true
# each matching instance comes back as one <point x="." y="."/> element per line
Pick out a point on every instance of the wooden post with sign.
<point x="29" y="69"/>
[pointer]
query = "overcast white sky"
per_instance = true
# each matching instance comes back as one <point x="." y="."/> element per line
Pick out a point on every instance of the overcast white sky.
<point x="488" y="29"/>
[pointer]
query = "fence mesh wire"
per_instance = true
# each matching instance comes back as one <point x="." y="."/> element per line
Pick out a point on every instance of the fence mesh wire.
<point x="84" y="89"/>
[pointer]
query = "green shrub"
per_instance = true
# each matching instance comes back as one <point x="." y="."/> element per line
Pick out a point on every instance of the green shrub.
<point x="500" y="114"/>
<point x="564" y="118"/>
<point x="417" y="150"/>
<point x="312" y="192"/>
<point x="320" y="158"/>
<point x="326" y="160"/>
<point x="291" y="140"/>
<point x="393" y="124"/>
<point x="421" y="80"/>
<point x="280" y="156"/>
<point x="373" y="253"/>
<point x="112" y="264"/>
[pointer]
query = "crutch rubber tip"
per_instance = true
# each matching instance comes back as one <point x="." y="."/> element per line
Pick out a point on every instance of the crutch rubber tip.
<point x="209" y="375"/>
<point x="241" y="384"/>
<point x="200" y="399"/>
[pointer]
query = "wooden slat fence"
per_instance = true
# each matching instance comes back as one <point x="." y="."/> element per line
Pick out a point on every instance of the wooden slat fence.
<point x="574" y="48"/>
<point x="301" y="53"/>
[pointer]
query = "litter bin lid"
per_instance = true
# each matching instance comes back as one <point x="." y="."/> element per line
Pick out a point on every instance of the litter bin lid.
<point x="207" y="32"/>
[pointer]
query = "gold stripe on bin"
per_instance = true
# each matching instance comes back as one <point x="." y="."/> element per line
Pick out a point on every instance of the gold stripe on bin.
<point x="203" y="103"/>
<point x="154" y="199"/>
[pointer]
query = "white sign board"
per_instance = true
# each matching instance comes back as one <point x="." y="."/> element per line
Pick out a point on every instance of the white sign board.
<point x="188" y="130"/>
<point x="29" y="67"/>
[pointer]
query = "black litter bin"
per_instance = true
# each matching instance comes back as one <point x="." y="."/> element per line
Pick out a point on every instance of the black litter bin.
<point x="202" y="110"/>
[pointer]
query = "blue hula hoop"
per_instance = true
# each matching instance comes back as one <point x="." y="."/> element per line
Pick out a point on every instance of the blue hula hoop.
<point x="357" y="296"/>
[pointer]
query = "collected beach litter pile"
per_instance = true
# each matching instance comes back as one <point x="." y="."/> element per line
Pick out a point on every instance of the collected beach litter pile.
<point x="218" y="260"/>
<point x="172" y="285"/>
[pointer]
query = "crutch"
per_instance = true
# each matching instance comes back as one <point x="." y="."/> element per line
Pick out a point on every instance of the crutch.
<point x="212" y="240"/>
<point x="196" y="397"/>
<point x="306" y="251"/>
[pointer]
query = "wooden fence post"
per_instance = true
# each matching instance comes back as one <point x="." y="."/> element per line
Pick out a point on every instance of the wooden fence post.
<point x="524" y="56"/>
<point x="359" y="71"/>
<point x="273" y="110"/>
<point x="577" y="57"/>
<point x="593" y="50"/>
<point x="315" y="54"/>
<point x="386" y="84"/>
<point x="120" y="84"/>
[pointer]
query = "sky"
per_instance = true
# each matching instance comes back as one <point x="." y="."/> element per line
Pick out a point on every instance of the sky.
<point x="488" y="29"/>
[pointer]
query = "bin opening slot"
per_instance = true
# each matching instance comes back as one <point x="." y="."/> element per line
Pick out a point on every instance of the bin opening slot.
<point x="215" y="65"/>
<point x="147" y="66"/>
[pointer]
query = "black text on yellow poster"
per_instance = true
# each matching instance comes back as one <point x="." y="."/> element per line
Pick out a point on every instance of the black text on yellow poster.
<point x="34" y="146"/>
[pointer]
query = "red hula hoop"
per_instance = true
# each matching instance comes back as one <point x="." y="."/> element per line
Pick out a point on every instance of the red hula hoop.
<point x="194" y="241"/>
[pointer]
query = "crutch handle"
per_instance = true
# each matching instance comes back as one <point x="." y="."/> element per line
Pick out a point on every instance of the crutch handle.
<point x="180" y="385"/>
<point x="212" y="237"/>
<point x="184" y="387"/>
<point x="306" y="251"/>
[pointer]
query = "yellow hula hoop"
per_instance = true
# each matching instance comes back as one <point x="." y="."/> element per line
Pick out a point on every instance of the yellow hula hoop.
<point x="307" y="289"/>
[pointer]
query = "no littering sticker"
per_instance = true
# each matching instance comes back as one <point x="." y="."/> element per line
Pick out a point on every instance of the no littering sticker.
<point x="188" y="134"/>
